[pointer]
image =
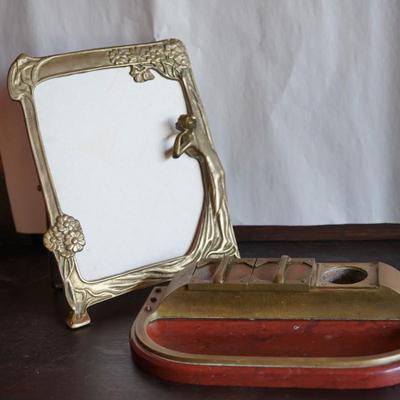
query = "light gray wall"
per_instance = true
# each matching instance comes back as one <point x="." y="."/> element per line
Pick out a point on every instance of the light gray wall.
<point x="302" y="97"/>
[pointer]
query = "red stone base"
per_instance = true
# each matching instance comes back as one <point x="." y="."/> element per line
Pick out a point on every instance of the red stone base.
<point x="274" y="339"/>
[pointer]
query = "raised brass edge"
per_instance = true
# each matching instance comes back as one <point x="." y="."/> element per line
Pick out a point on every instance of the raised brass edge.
<point x="261" y="300"/>
<point x="214" y="237"/>
<point x="149" y="314"/>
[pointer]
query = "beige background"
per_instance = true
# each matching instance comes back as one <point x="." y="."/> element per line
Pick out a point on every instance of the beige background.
<point x="302" y="97"/>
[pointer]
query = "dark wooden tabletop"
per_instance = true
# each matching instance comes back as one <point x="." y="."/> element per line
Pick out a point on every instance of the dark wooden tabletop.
<point x="41" y="359"/>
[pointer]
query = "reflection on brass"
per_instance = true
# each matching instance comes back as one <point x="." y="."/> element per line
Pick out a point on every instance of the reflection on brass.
<point x="214" y="237"/>
<point x="194" y="294"/>
<point x="186" y="139"/>
<point x="167" y="58"/>
<point x="65" y="237"/>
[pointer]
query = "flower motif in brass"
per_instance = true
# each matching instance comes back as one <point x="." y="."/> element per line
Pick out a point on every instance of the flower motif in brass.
<point x="65" y="236"/>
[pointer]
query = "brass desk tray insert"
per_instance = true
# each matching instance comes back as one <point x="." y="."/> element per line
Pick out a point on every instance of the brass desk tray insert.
<point x="274" y="322"/>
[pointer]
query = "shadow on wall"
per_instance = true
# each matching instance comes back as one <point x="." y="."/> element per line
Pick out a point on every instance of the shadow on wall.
<point x="18" y="177"/>
<point x="10" y="240"/>
<point x="13" y="244"/>
<point x="6" y="222"/>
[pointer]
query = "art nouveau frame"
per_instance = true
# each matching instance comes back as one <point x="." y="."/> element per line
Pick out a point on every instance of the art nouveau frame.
<point x="214" y="236"/>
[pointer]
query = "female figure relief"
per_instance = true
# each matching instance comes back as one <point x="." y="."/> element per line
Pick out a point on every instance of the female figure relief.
<point x="214" y="177"/>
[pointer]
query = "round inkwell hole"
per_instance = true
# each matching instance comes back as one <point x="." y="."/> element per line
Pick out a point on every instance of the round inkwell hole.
<point x="344" y="275"/>
<point x="158" y="290"/>
<point x="153" y="299"/>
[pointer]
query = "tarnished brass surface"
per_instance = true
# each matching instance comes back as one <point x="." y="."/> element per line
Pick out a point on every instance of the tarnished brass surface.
<point x="65" y="236"/>
<point x="194" y="294"/>
<point x="214" y="237"/>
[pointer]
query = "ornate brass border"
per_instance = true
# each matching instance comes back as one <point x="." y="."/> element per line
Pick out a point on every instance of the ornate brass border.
<point x="214" y="236"/>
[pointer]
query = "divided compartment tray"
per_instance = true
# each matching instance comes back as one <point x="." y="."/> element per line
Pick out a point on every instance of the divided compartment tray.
<point x="273" y="323"/>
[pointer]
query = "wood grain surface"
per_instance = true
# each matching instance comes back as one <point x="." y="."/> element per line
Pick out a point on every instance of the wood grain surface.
<point x="318" y="232"/>
<point x="41" y="359"/>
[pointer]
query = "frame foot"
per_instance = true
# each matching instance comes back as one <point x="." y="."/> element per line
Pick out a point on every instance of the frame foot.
<point x="75" y="321"/>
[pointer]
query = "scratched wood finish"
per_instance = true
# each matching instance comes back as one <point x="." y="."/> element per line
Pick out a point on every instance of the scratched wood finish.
<point x="41" y="359"/>
<point x="317" y="232"/>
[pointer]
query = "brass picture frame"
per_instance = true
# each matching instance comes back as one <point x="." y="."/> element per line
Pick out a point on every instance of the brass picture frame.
<point x="214" y="236"/>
